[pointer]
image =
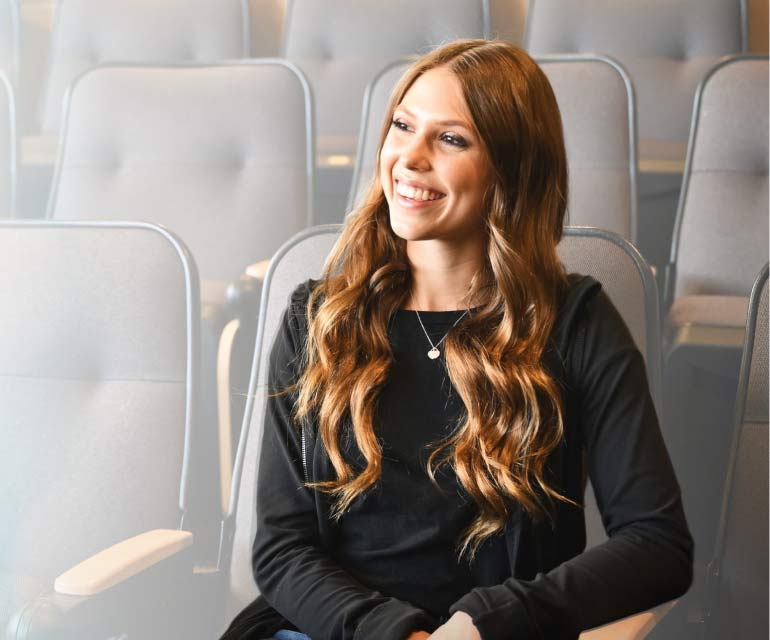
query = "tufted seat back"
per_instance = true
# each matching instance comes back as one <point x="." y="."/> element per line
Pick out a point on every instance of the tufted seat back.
<point x="341" y="44"/>
<point x="97" y="351"/>
<point x="666" y="45"/>
<point x="220" y="154"/>
<point x="92" y="32"/>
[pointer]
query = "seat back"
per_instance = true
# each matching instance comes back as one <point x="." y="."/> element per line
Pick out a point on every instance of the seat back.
<point x="8" y="149"/>
<point x="90" y="32"/>
<point x="299" y="259"/>
<point x="10" y="31"/>
<point x="627" y="280"/>
<point x="98" y="357"/>
<point x="738" y="574"/>
<point x="220" y="154"/>
<point x="666" y="46"/>
<point x="596" y="101"/>
<point x="721" y="231"/>
<point x="340" y="45"/>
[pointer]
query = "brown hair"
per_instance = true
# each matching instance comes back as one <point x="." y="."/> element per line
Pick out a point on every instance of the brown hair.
<point x="513" y="409"/>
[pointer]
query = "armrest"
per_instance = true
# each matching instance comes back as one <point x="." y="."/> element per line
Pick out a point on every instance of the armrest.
<point x="634" y="627"/>
<point x="135" y="587"/>
<point x="121" y="561"/>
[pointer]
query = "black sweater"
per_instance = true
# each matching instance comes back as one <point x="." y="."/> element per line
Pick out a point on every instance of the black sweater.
<point x="549" y="589"/>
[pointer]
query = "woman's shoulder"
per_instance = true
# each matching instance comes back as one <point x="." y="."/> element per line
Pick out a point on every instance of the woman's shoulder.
<point x="587" y="316"/>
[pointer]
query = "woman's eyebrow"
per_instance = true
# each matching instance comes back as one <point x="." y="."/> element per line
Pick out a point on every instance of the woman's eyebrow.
<point x="443" y="123"/>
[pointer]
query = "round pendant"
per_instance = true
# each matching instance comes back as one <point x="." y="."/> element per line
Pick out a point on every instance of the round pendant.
<point x="434" y="353"/>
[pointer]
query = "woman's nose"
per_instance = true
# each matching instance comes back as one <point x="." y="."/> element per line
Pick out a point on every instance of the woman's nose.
<point x="416" y="153"/>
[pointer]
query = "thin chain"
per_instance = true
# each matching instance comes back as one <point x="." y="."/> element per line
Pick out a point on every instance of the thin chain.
<point x="434" y="347"/>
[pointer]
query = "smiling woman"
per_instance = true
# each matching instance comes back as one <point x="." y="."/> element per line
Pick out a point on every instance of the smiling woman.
<point x="457" y="386"/>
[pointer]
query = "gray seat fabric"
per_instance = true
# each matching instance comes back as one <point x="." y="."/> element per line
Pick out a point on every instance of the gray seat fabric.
<point x="739" y="571"/>
<point x="220" y="154"/>
<point x="666" y="45"/>
<point x="8" y="149"/>
<point x="10" y="34"/>
<point x="627" y="280"/>
<point x="596" y="101"/>
<point x="722" y="223"/>
<point x="97" y="356"/>
<point x="91" y="32"/>
<point x="340" y="45"/>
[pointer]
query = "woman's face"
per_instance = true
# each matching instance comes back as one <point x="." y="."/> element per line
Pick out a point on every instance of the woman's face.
<point x="434" y="168"/>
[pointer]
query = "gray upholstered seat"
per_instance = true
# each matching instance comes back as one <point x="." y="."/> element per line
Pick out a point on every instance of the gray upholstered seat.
<point x="219" y="153"/>
<point x="667" y="46"/>
<point x="720" y="242"/>
<point x="738" y="573"/>
<point x="8" y="149"/>
<point x="596" y="101"/>
<point x="97" y="359"/>
<point x="627" y="280"/>
<point x="340" y="45"/>
<point x="92" y="32"/>
<point x="722" y="223"/>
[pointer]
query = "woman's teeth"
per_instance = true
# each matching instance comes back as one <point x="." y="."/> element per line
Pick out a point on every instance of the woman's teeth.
<point x="417" y="194"/>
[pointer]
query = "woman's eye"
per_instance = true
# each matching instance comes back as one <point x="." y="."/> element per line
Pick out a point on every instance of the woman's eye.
<point x="398" y="124"/>
<point x="455" y="141"/>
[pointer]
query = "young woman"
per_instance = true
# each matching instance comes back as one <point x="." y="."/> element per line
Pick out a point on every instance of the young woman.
<point x="440" y="395"/>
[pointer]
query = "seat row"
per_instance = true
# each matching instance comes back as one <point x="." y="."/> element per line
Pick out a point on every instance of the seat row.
<point x="340" y="44"/>
<point x="234" y="178"/>
<point x="107" y="530"/>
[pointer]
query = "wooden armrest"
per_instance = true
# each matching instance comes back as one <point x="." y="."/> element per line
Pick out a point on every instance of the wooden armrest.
<point x="121" y="561"/>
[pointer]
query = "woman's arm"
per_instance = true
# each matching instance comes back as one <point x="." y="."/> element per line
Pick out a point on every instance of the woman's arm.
<point x="296" y="577"/>
<point x="648" y="558"/>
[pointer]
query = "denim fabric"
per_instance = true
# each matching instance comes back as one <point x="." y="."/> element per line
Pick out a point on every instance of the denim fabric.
<point x="285" y="634"/>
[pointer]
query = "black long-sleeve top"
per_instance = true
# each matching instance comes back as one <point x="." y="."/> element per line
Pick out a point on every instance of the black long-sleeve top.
<point x="548" y="587"/>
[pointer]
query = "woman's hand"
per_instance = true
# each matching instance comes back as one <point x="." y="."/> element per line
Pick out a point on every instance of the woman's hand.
<point x="459" y="627"/>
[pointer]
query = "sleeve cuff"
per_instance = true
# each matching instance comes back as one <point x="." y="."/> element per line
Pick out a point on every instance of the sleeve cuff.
<point x="394" y="620"/>
<point x="497" y="613"/>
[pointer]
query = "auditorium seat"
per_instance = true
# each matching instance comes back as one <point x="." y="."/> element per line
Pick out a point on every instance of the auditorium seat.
<point x="8" y="149"/>
<point x="596" y="100"/>
<point x="92" y="32"/>
<point x="219" y="153"/>
<point x="737" y="591"/>
<point x="340" y="45"/>
<point x="667" y="47"/>
<point x="720" y="241"/>
<point x="97" y="357"/>
<point x="626" y="278"/>
<point x="87" y="33"/>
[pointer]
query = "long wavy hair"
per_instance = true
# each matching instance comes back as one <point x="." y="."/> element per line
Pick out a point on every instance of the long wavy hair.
<point x="512" y="418"/>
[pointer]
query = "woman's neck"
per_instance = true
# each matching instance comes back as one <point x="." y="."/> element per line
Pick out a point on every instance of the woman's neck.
<point x="441" y="276"/>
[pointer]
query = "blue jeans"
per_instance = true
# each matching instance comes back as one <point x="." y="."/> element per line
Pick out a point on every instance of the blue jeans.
<point x="285" y="634"/>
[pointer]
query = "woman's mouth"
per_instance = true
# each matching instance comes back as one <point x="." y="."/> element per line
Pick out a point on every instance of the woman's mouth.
<point x="416" y="195"/>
